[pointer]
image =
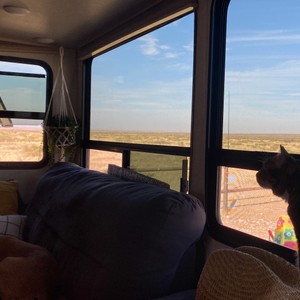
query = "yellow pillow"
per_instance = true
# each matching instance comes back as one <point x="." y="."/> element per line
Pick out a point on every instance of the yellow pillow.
<point x="8" y="197"/>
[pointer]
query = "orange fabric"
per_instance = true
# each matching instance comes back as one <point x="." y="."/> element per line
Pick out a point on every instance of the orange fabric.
<point x="9" y="197"/>
<point x="27" y="271"/>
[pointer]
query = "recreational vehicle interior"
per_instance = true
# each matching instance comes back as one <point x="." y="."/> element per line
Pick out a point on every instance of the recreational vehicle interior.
<point x="188" y="96"/>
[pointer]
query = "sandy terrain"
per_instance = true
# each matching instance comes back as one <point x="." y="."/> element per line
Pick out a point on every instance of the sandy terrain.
<point x="243" y="204"/>
<point x="246" y="206"/>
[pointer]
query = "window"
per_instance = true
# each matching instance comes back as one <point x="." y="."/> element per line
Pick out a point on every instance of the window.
<point x="257" y="111"/>
<point x="262" y="75"/>
<point x="141" y="98"/>
<point x="167" y="168"/>
<point x="141" y="91"/>
<point x="23" y="88"/>
<point x="99" y="159"/>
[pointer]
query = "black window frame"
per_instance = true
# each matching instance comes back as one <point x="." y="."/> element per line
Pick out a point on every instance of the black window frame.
<point x="125" y="148"/>
<point x="216" y="156"/>
<point x="26" y="114"/>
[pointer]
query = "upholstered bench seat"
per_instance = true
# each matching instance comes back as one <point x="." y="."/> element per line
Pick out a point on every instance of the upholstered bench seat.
<point x="115" y="239"/>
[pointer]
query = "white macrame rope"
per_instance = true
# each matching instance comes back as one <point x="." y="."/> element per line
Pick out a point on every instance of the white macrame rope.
<point x="63" y="111"/>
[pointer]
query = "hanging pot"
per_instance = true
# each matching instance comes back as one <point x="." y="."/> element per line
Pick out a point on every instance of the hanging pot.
<point x="62" y="128"/>
<point x="62" y="132"/>
<point x="61" y="136"/>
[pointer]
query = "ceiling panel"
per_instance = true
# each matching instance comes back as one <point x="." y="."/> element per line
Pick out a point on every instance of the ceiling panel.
<point x="70" y="23"/>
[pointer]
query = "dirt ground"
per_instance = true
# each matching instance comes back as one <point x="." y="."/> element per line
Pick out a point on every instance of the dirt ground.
<point x="256" y="219"/>
<point x="246" y="206"/>
<point x="243" y="204"/>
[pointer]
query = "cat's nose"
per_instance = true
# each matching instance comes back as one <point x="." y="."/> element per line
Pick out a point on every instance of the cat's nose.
<point x="258" y="177"/>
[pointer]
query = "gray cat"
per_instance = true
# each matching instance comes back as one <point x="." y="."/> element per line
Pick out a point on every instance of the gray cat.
<point x="281" y="173"/>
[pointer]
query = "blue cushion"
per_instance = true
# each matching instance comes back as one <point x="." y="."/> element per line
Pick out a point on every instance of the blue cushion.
<point x="114" y="238"/>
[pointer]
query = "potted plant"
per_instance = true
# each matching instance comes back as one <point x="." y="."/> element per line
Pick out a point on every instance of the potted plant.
<point x="62" y="138"/>
<point x="62" y="128"/>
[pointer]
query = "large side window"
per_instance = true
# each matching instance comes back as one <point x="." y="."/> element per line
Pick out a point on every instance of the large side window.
<point x="141" y="98"/>
<point x="260" y="112"/>
<point x="23" y="89"/>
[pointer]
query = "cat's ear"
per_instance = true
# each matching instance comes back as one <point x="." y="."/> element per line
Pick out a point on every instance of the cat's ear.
<point x="283" y="151"/>
<point x="281" y="157"/>
<point x="288" y="160"/>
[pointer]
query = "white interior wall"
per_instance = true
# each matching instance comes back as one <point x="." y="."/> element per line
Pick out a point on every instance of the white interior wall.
<point x="27" y="178"/>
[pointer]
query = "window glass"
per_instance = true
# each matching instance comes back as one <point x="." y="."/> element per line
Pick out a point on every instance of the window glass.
<point x="141" y="92"/>
<point x="22" y="89"/>
<point x="22" y="142"/>
<point x="261" y="107"/>
<point x="262" y="74"/>
<point x="99" y="160"/>
<point x="247" y="207"/>
<point x="170" y="169"/>
<point x="23" y="94"/>
<point x="153" y="138"/>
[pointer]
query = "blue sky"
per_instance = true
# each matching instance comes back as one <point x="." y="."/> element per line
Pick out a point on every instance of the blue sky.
<point x="263" y="67"/>
<point x="21" y="93"/>
<point x="147" y="84"/>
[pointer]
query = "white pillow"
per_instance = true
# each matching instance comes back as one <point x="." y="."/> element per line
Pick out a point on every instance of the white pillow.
<point x="12" y="225"/>
<point x="131" y="175"/>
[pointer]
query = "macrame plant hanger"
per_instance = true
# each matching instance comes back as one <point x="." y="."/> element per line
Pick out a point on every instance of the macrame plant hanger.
<point x="62" y="126"/>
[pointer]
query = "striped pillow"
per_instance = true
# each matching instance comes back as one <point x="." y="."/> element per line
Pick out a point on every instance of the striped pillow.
<point x="12" y="225"/>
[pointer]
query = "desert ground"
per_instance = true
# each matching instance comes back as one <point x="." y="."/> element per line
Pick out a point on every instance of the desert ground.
<point x="243" y="204"/>
<point x="21" y="144"/>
